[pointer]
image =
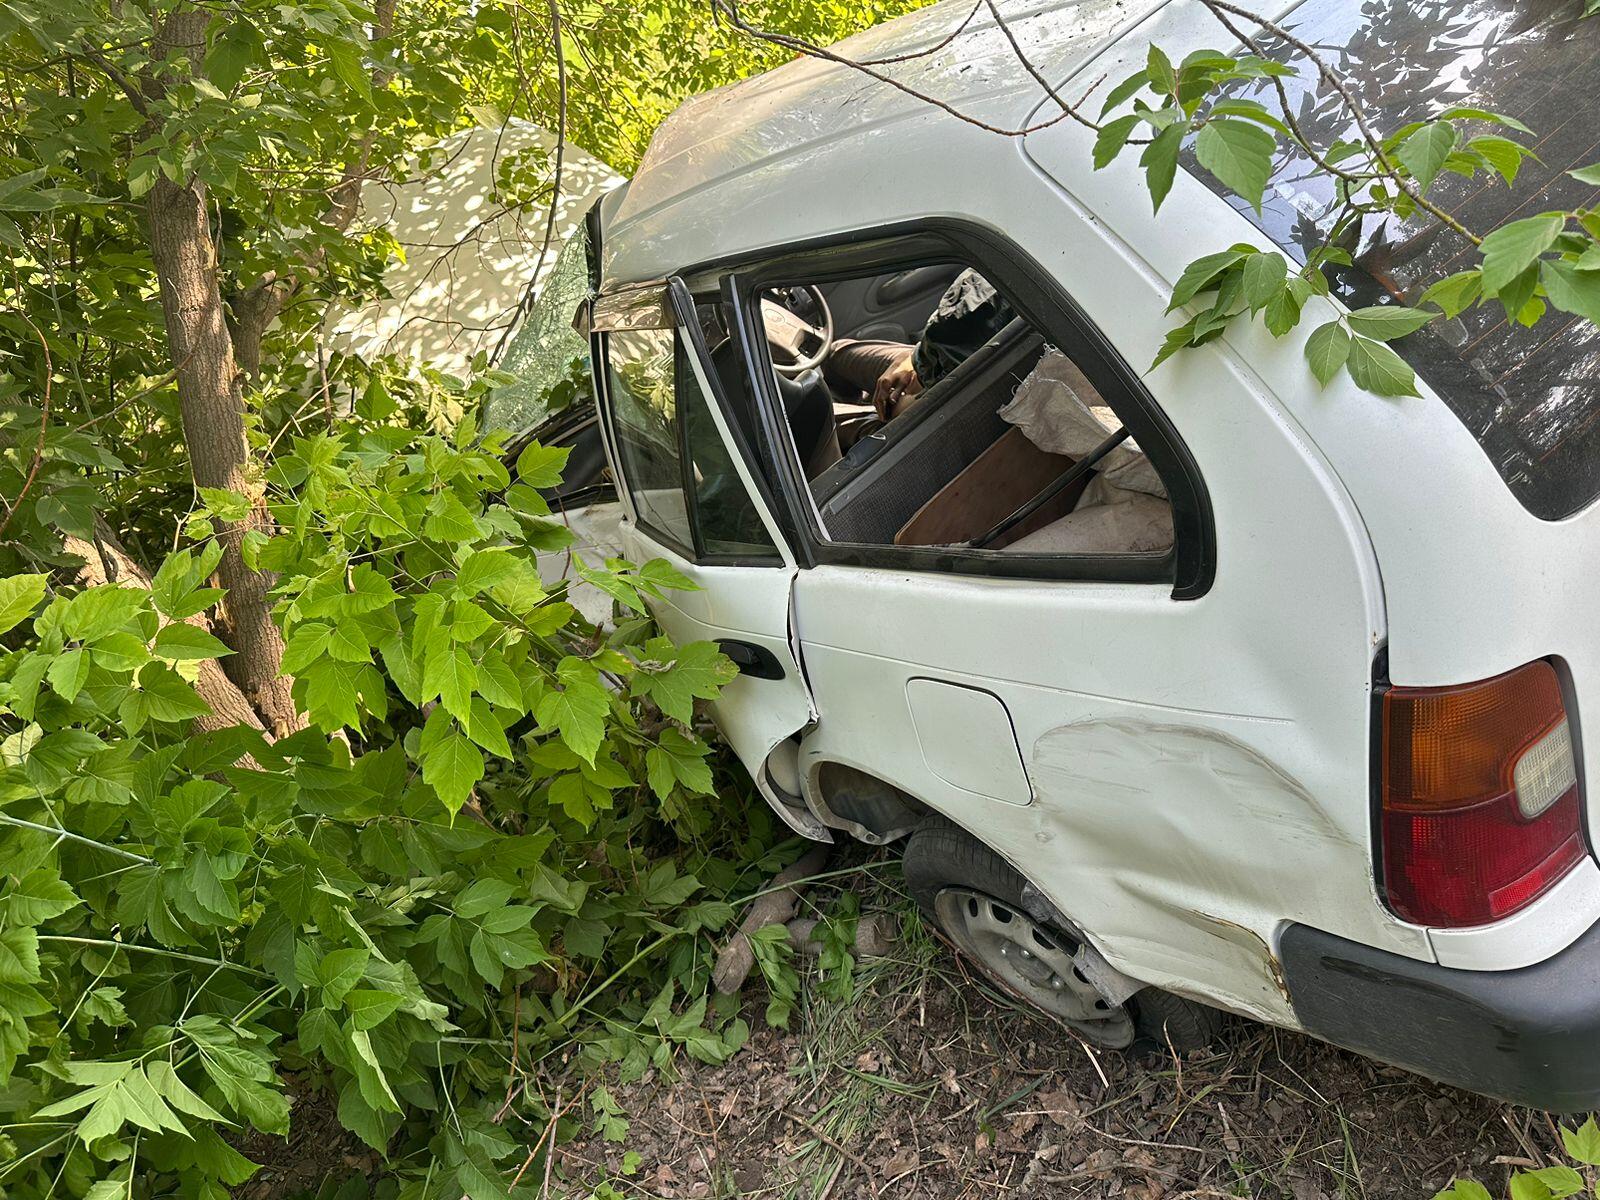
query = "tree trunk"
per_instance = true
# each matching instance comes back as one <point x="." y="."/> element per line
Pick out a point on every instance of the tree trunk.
<point x="211" y="401"/>
<point x="106" y="561"/>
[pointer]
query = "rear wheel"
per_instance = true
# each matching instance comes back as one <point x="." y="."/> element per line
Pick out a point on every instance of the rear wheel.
<point x="975" y="897"/>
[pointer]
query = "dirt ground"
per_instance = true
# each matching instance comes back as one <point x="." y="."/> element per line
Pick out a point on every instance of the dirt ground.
<point x="930" y="1086"/>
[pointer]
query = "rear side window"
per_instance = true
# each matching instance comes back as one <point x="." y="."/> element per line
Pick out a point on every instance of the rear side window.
<point x="675" y="464"/>
<point x="1530" y="395"/>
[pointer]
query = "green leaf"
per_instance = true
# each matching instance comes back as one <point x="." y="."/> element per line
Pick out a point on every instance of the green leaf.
<point x="451" y="764"/>
<point x="175" y="588"/>
<point x="68" y="672"/>
<point x="19" y="956"/>
<point x="484" y="727"/>
<point x="541" y="466"/>
<point x="347" y="65"/>
<point x="1464" y="1189"/>
<point x="1158" y="69"/>
<point x="167" y="696"/>
<point x="19" y="596"/>
<point x="493" y="952"/>
<point x="1465" y="113"/>
<point x="481" y="896"/>
<point x="369" y="1007"/>
<point x="1160" y="162"/>
<point x="1264" y="277"/>
<point x="1386" y="322"/>
<point x="1239" y="154"/>
<point x="339" y="971"/>
<point x="1379" y="370"/>
<point x="1250" y="110"/>
<point x="665" y="888"/>
<point x="97" y="611"/>
<point x="1454" y="294"/>
<point x="1559" y="1181"/>
<point x="236" y="48"/>
<point x="1583" y="1143"/>
<point x="1283" y="311"/>
<point x="188" y="643"/>
<point x="699" y="671"/>
<point x="1128" y="88"/>
<point x="1425" y="151"/>
<point x="450" y="674"/>
<point x="1326" y="350"/>
<point x="1511" y="249"/>
<point x="1589" y="174"/>
<point x="1570" y="289"/>
<point x="484" y="569"/>
<point x="38" y="897"/>
<point x="164" y="1079"/>
<point x="658" y="576"/>
<point x="1502" y="154"/>
<point x="1111" y="139"/>
<point x="1201" y="273"/>
<point x="578" y="713"/>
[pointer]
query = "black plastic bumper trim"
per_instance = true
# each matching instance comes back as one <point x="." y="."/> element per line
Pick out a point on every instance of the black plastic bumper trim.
<point x="1529" y="1036"/>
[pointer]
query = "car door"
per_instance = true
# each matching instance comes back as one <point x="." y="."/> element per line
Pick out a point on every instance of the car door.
<point x="1132" y="741"/>
<point x="689" y="498"/>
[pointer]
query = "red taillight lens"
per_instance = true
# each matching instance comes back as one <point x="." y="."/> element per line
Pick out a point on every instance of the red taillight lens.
<point x="1480" y="797"/>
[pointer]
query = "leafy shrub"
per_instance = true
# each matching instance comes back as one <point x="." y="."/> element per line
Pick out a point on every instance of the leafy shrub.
<point x="1545" y="1183"/>
<point x="492" y="854"/>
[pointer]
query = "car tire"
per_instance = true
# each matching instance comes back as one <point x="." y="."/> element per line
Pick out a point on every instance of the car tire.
<point x="941" y="859"/>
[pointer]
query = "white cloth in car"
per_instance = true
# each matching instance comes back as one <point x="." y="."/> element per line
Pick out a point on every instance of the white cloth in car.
<point x="1124" y="509"/>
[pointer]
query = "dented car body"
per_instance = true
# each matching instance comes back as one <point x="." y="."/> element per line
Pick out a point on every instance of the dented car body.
<point x="1314" y="758"/>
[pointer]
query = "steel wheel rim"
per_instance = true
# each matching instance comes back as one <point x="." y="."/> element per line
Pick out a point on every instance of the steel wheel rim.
<point x="1033" y="962"/>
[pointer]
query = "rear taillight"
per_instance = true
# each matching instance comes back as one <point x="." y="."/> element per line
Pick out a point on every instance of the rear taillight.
<point x="1480" y="806"/>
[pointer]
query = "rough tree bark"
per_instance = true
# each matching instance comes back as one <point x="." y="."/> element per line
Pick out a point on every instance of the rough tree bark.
<point x="211" y="401"/>
<point x="105" y="560"/>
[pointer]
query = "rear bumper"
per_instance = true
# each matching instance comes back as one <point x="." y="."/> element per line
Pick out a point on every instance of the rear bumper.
<point x="1530" y="1036"/>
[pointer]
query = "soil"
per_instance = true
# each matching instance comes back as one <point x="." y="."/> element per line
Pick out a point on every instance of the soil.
<point x="927" y="1085"/>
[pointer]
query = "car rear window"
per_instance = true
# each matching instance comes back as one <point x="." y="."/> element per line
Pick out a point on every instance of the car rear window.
<point x="1530" y="395"/>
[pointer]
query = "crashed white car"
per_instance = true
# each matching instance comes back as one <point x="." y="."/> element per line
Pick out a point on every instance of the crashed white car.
<point x="1198" y="688"/>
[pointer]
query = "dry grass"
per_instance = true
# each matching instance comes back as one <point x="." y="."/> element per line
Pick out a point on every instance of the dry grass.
<point x="928" y="1085"/>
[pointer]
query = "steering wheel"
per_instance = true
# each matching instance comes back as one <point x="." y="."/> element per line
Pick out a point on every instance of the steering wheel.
<point x="787" y="334"/>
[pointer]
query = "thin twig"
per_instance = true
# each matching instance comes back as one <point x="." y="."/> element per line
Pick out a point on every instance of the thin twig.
<point x="1333" y="80"/>
<point x="730" y="10"/>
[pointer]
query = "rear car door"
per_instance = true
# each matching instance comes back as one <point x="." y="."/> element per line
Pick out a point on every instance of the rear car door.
<point x="689" y="498"/>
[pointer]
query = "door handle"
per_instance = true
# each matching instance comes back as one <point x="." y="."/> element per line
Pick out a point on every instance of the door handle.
<point x="756" y="661"/>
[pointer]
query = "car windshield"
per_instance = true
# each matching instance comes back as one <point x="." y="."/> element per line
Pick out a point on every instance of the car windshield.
<point x="548" y="357"/>
<point x="1531" y="396"/>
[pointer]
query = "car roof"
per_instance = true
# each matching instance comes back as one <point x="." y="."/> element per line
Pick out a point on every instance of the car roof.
<point x="814" y="123"/>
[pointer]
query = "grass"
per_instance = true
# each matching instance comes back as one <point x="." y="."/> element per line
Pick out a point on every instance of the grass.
<point x="920" y="1082"/>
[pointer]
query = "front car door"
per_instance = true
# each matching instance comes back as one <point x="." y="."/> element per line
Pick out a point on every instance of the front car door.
<point x="689" y="498"/>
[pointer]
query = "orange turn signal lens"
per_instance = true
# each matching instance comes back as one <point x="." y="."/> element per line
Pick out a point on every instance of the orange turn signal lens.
<point x="1480" y="806"/>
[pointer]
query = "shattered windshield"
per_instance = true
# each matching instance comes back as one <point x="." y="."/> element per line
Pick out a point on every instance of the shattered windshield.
<point x="1530" y="395"/>
<point x="549" y="358"/>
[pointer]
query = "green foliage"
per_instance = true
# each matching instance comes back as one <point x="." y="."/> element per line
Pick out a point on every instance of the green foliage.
<point x="200" y="931"/>
<point x="1527" y="265"/>
<point x="1544" y="1183"/>
<point x="630" y="65"/>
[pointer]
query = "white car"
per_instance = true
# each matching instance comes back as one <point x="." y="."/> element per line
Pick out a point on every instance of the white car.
<point x="1197" y="688"/>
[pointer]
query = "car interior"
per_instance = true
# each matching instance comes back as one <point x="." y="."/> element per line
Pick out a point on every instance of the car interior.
<point x="1011" y="448"/>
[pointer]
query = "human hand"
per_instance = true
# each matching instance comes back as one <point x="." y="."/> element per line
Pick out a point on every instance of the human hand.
<point x="894" y="385"/>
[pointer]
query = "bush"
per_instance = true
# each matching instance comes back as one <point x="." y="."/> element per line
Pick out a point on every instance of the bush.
<point x="491" y="857"/>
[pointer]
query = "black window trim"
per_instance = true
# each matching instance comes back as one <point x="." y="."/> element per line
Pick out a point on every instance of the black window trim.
<point x="1190" y="566"/>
